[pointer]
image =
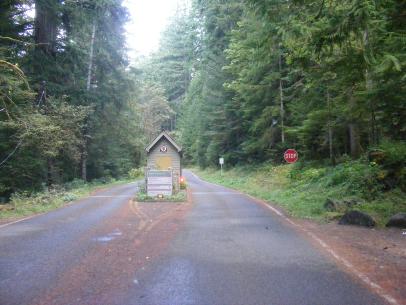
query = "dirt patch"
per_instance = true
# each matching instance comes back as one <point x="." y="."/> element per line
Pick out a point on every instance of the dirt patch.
<point x="380" y="254"/>
<point x="119" y="247"/>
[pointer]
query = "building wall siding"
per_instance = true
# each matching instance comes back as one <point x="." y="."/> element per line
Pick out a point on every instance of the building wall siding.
<point x="171" y="152"/>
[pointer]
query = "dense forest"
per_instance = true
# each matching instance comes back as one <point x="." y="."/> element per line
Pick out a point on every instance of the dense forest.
<point x="249" y="79"/>
<point x="241" y="79"/>
<point x="71" y="107"/>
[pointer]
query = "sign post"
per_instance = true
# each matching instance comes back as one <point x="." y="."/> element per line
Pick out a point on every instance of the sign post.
<point x="291" y="156"/>
<point x="221" y="161"/>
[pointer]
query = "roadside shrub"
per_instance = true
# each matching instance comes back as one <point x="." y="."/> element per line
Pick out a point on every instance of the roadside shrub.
<point x="358" y="177"/>
<point x="391" y="157"/>
<point x="17" y="199"/>
<point x="182" y="183"/>
<point x="69" y="197"/>
<point x="103" y="180"/>
<point x="135" y="173"/>
<point x="395" y="153"/>
<point x="178" y="197"/>
<point x="142" y="196"/>
<point x="308" y="171"/>
<point x="74" y="184"/>
<point x="22" y="201"/>
<point x="343" y="159"/>
<point x="313" y="174"/>
<point x="142" y="186"/>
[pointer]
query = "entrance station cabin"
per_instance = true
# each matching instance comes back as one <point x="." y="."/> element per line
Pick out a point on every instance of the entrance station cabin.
<point x="163" y="159"/>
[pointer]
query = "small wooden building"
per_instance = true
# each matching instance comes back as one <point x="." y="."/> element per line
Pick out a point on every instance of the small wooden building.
<point x="164" y="154"/>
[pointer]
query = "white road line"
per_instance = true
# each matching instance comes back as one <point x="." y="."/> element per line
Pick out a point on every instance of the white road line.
<point x="378" y="289"/>
<point x="266" y="205"/>
<point x="374" y="286"/>
<point x="194" y="175"/>
<point x="26" y="218"/>
<point x="64" y="206"/>
<point x="110" y="196"/>
<point x="215" y="193"/>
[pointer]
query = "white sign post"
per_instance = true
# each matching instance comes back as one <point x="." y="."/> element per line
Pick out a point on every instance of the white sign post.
<point x="221" y="161"/>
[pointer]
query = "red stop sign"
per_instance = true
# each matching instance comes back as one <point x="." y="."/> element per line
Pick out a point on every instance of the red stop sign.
<point x="291" y="156"/>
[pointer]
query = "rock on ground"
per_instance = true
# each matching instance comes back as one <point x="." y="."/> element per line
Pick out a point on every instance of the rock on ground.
<point x="398" y="220"/>
<point x="357" y="218"/>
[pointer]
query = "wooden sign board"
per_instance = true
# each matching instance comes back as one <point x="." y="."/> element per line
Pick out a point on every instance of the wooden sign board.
<point x="159" y="183"/>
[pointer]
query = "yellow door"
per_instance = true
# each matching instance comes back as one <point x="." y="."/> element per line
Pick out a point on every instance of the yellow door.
<point x="162" y="163"/>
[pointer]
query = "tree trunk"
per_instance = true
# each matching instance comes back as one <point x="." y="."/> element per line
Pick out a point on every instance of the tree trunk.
<point x="83" y="162"/>
<point x="83" y="157"/>
<point x="330" y="131"/>
<point x="282" y="110"/>
<point x="45" y="26"/>
<point x="355" y="146"/>
<point x="354" y="140"/>
<point x="90" y="65"/>
<point x="373" y="137"/>
<point x="50" y="169"/>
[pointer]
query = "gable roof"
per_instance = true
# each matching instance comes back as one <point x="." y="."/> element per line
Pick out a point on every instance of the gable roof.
<point x="163" y="134"/>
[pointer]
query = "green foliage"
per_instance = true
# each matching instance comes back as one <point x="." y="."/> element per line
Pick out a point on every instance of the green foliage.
<point x="28" y="203"/>
<point x="142" y="196"/>
<point x="394" y="154"/>
<point x="209" y="125"/>
<point x="324" y="78"/>
<point x="74" y="184"/>
<point x="391" y="158"/>
<point x="69" y="197"/>
<point x="136" y="173"/>
<point x="178" y="197"/>
<point x="183" y="185"/>
<point x="359" y="177"/>
<point x="155" y="109"/>
<point x="242" y="79"/>
<point x="303" y="190"/>
<point x="60" y="103"/>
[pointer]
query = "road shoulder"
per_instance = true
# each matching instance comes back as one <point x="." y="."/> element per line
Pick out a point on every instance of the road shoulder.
<point x="377" y="257"/>
<point x="60" y="203"/>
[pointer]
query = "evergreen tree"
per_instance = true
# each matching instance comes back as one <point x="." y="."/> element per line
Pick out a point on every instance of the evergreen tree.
<point x="65" y="93"/>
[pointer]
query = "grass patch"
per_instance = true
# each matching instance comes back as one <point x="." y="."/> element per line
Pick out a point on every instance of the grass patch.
<point x="302" y="190"/>
<point x="181" y="196"/>
<point x="26" y="204"/>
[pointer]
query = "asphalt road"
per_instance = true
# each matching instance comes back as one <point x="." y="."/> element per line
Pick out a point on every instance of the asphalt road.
<point x="35" y="253"/>
<point x="228" y="249"/>
<point x="235" y="251"/>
